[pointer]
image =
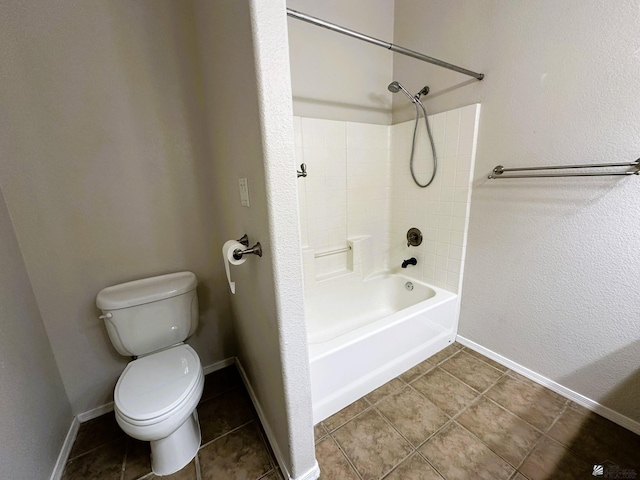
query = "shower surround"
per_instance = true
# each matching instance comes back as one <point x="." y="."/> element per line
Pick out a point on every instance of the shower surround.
<point x="359" y="187"/>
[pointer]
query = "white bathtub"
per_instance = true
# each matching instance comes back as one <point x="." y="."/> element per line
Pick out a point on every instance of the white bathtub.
<point x="364" y="333"/>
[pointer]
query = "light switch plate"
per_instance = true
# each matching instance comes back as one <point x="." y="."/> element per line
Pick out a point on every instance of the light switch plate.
<point x="244" y="192"/>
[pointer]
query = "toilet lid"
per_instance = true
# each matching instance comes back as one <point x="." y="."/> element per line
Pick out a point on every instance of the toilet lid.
<point x="156" y="384"/>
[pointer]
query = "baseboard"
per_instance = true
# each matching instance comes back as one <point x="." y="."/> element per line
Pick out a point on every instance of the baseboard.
<point x="313" y="473"/>
<point x="218" y="365"/>
<point x="265" y="424"/>
<point x="578" y="398"/>
<point x="95" y="412"/>
<point x="58" y="469"/>
<point x="108" y="407"/>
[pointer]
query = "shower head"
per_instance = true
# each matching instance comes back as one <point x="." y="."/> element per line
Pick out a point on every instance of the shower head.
<point x="395" y="87"/>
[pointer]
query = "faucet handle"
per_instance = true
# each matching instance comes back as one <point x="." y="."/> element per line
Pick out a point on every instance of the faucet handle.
<point x="414" y="237"/>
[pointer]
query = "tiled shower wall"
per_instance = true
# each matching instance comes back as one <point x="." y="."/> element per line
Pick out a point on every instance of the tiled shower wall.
<point x="359" y="185"/>
<point x="441" y="210"/>
<point x="347" y="191"/>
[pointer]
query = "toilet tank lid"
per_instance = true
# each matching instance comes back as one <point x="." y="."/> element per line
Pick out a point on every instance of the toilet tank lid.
<point x="146" y="290"/>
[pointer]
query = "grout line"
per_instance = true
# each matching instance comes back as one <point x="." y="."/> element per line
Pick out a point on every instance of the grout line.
<point x="490" y="449"/>
<point x="225" y="434"/>
<point x="267" y="447"/>
<point x="197" y="462"/>
<point x="124" y="460"/>
<point x="502" y="407"/>
<point x="526" y="457"/>
<point x="453" y="418"/>
<point x="515" y="474"/>
<point x="264" y="475"/>
<point x="218" y="394"/>
<point x="541" y="434"/>
<point x="125" y="436"/>
<point x="330" y="431"/>
<point x="483" y="394"/>
<point x="344" y="454"/>
<point x="415" y="449"/>
<point x="429" y="462"/>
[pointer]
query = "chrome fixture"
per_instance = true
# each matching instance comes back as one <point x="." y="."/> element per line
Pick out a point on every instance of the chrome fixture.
<point x="380" y="43"/>
<point x="255" y="250"/>
<point x="499" y="170"/>
<point x="414" y="237"/>
<point x="408" y="286"/>
<point x="303" y="170"/>
<point x="244" y="240"/>
<point x="395" y="87"/>
<point x="411" y="261"/>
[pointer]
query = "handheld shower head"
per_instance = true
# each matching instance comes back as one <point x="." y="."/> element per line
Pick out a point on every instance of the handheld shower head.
<point x="395" y="87"/>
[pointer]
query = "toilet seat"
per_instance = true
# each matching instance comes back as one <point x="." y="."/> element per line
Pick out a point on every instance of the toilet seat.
<point x="154" y="387"/>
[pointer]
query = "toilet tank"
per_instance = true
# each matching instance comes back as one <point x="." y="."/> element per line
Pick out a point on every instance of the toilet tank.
<point x="150" y="314"/>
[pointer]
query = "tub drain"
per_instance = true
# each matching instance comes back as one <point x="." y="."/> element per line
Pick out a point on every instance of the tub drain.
<point x="408" y="286"/>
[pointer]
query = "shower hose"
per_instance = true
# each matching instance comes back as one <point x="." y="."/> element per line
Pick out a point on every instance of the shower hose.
<point x="413" y="145"/>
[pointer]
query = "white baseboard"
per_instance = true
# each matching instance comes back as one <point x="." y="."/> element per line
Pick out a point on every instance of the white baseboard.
<point x="95" y="412"/>
<point x="63" y="456"/>
<point x="218" y="365"/>
<point x="313" y="473"/>
<point x="586" y="402"/>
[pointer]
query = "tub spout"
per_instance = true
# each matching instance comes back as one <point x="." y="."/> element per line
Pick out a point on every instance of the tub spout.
<point x="411" y="261"/>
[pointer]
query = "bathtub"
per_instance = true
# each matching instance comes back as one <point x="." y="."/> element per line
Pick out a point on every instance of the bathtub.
<point x="363" y="333"/>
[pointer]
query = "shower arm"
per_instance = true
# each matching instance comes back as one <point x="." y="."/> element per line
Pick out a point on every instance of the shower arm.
<point x="389" y="46"/>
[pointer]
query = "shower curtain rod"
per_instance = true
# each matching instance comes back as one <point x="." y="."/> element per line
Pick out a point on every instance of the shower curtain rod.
<point x="389" y="46"/>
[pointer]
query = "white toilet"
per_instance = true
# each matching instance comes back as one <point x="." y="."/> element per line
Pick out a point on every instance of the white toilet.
<point x="157" y="394"/>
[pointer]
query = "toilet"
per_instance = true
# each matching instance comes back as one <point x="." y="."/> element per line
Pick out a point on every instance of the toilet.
<point x="157" y="393"/>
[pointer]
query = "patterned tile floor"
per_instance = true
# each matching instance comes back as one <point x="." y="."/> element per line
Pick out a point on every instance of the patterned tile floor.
<point x="457" y="415"/>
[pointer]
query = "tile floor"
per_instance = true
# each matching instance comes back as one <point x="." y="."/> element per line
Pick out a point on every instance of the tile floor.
<point x="234" y="445"/>
<point x="457" y="415"/>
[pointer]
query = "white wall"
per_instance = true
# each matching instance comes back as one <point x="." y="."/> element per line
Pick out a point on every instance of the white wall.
<point x="104" y="171"/>
<point x="552" y="268"/>
<point x="338" y="77"/>
<point x="250" y="133"/>
<point x="34" y="410"/>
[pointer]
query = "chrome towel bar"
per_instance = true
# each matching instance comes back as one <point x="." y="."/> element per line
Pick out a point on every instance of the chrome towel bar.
<point x="499" y="170"/>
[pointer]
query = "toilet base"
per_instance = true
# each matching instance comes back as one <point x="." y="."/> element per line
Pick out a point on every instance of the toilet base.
<point x="172" y="453"/>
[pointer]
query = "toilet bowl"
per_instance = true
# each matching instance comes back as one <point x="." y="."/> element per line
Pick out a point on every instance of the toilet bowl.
<point x="157" y="393"/>
<point x="155" y="400"/>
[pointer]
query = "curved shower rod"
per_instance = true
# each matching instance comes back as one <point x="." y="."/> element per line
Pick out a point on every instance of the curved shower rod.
<point x="389" y="46"/>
